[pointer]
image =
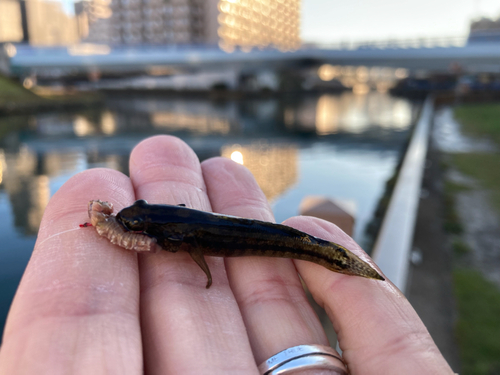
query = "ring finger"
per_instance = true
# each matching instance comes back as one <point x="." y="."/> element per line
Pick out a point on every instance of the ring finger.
<point x="269" y="293"/>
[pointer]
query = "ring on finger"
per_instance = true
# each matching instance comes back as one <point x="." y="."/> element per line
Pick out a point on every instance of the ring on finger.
<point x="303" y="357"/>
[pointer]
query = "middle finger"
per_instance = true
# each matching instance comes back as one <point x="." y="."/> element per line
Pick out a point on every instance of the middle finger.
<point x="187" y="329"/>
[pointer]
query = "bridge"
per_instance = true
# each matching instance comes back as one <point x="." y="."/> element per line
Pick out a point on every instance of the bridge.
<point x="440" y="55"/>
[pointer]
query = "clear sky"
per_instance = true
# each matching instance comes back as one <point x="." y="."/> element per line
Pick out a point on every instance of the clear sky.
<point x="363" y="20"/>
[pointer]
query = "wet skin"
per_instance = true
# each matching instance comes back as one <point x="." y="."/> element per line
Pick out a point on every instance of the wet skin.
<point x="203" y="233"/>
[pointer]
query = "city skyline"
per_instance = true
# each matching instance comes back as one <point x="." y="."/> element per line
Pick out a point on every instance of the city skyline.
<point x="323" y="22"/>
<point x="326" y="21"/>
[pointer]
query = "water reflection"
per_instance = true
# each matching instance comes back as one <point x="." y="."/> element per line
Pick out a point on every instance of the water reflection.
<point x="174" y="115"/>
<point x="49" y="152"/>
<point x="363" y="79"/>
<point x="27" y="192"/>
<point x="274" y="166"/>
<point x="324" y="115"/>
<point x="81" y="124"/>
<point x="193" y="123"/>
<point x="26" y="178"/>
<point x="343" y="146"/>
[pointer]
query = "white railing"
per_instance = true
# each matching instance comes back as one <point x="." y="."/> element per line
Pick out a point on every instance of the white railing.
<point x="394" y="242"/>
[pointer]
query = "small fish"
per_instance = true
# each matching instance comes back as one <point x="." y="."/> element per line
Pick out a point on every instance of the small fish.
<point x="201" y="233"/>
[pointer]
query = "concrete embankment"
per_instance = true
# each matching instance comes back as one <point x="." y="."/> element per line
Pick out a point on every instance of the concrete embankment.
<point x="454" y="281"/>
<point x="411" y="247"/>
<point x="430" y="282"/>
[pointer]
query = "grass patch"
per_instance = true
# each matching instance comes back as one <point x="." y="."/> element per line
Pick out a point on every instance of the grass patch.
<point x="452" y="187"/>
<point x="11" y="91"/>
<point x="485" y="168"/>
<point x="460" y="247"/>
<point x="478" y="327"/>
<point x="478" y="300"/>
<point x="480" y="120"/>
<point x="451" y="220"/>
<point x="14" y="98"/>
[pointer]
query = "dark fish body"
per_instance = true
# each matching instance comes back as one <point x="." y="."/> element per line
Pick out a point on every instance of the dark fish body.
<point x="204" y="233"/>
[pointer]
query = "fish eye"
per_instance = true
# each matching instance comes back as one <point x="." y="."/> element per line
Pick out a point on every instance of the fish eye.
<point x="130" y="223"/>
<point x="135" y="223"/>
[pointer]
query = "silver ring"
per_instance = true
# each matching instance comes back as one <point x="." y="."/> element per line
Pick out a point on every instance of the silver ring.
<point x="303" y="357"/>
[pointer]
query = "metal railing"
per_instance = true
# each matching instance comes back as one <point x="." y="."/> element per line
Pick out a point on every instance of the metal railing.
<point x="394" y="242"/>
<point x="452" y="41"/>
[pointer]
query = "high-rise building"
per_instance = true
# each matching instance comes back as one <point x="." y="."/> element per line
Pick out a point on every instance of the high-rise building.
<point x="133" y="22"/>
<point x="229" y="23"/>
<point x="259" y="23"/>
<point x="11" y="29"/>
<point x="48" y="24"/>
<point x="38" y="22"/>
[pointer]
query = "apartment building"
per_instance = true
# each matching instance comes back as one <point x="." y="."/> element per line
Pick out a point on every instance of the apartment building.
<point x="231" y="24"/>
<point x="38" y="22"/>
<point x="11" y="28"/>
<point x="134" y="22"/>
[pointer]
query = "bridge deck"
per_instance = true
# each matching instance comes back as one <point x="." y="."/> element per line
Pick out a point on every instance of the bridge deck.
<point x="60" y="61"/>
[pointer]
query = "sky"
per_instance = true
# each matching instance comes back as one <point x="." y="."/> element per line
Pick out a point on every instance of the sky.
<point x="327" y="21"/>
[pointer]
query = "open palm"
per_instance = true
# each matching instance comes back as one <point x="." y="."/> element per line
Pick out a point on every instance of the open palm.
<point x="87" y="306"/>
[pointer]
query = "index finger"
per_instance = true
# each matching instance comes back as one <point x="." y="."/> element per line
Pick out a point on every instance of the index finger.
<point x="378" y="330"/>
<point x="77" y="307"/>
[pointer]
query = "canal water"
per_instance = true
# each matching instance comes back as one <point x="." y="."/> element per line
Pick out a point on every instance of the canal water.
<point x="341" y="146"/>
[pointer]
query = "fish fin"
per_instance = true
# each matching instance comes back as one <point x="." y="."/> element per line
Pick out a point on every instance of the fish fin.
<point x="175" y="237"/>
<point x="181" y="205"/>
<point x="199" y="258"/>
<point x="140" y="202"/>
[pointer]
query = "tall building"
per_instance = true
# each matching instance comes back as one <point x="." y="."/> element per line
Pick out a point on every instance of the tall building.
<point x="48" y="24"/>
<point x="259" y="23"/>
<point x="11" y="29"/>
<point x="133" y="22"/>
<point x="229" y="23"/>
<point x="484" y="30"/>
<point x="38" y="22"/>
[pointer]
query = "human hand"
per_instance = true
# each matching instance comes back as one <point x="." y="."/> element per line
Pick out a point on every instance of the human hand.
<point x="87" y="306"/>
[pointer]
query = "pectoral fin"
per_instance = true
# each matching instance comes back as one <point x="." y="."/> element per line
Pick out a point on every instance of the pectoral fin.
<point x="199" y="258"/>
<point x="175" y="237"/>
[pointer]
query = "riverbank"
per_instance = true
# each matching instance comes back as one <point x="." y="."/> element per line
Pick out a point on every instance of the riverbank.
<point x="476" y="174"/>
<point x="15" y="99"/>
<point x="455" y="283"/>
<point x="13" y="94"/>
